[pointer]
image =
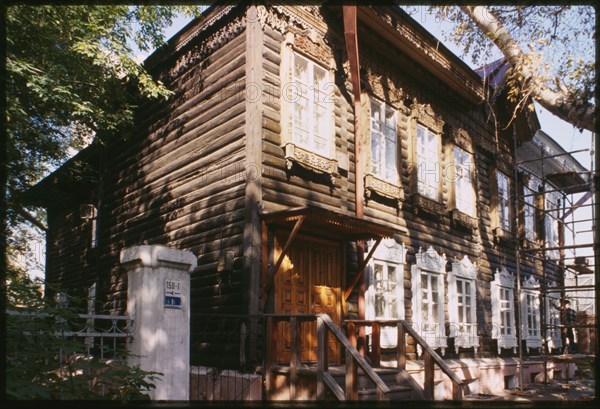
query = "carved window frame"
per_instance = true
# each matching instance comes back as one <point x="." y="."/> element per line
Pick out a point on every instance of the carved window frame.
<point x="295" y="151"/>
<point x="433" y="266"/>
<point x="531" y="320"/>
<point x="388" y="254"/>
<point x="375" y="182"/>
<point x="504" y="283"/>
<point x="465" y="334"/>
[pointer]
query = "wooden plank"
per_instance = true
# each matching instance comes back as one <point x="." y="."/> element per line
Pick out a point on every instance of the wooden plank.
<point x="457" y="392"/>
<point x="376" y="346"/>
<point x="337" y="390"/>
<point x="321" y="357"/>
<point x="351" y="377"/>
<point x="401" y="347"/>
<point x="351" y="328"/>
<point x="428" y="375"/>
<point x="295" y="344"/>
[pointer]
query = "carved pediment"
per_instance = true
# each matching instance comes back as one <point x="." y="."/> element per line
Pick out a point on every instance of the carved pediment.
<point x="390" y="250"/>
<point x="531" y="283"/>
<point x="461" y="138"/>
<point x="504" y="279"/>
<point x="465" y="268"/>
<point x="486" y="145"/>
<point x="430" y="260"/>
<point x="425" y="115"/>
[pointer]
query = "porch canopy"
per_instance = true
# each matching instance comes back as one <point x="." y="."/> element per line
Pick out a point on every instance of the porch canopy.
<point x="325" y="223"/>
<point x="330" y="224"/>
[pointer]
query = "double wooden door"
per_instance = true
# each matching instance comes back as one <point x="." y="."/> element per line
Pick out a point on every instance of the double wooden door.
<point x="308" y="282"/>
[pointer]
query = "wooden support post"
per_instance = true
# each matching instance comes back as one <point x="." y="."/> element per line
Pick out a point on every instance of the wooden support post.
<point x="351" y="377"/>
<point x="352" y="334"/>
<point x="322" y="365"/>
<point x="376" y="345"/>
<point x="401" y="348"/>
<point x="294" y="349"/>
<point x="457" y="392"/>
<point x="269" y="356"/>
<point x="428" y="375"/>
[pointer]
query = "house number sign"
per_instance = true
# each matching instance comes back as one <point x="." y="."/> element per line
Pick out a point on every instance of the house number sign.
<point x="173" y="294"/>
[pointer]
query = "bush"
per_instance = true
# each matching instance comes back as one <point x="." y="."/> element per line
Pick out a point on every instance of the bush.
<point x="43" y="364"/>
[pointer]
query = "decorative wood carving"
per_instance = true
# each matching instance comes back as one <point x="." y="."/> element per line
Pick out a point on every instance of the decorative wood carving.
<point x="501" y="235"/>
<point x="485" y="145"/>
<point x="310" y="161"/>
<point x="464" y="220"/>
<point x="425" y="114"/>
<point x="383" y="188"/>
<point x="427" y="205"/>
<point x="461" y="138"/>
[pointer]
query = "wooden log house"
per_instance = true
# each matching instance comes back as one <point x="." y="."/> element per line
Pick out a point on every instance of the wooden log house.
<point x="316" y="159"/>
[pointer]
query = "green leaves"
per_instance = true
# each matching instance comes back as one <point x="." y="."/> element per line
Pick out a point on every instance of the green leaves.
<point x="42" y="364"/>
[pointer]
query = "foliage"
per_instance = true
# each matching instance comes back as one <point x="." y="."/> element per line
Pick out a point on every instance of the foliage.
<point x="551" y="50"/>
<point x="43" y="364"/>
<point x="71" y="77"/>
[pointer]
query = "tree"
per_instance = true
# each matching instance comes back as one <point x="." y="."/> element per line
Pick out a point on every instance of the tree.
<point x="558" y="68"/>
<point x="71" y="77"/>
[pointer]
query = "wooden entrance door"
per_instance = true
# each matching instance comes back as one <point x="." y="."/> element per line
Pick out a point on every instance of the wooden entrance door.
<point x="308" y="282"/>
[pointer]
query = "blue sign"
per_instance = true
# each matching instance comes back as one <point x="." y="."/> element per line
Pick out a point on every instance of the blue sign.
<point x="172" y="302"/>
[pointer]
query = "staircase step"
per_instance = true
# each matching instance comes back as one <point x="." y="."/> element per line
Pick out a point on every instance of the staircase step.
<point x="395" y="393"/>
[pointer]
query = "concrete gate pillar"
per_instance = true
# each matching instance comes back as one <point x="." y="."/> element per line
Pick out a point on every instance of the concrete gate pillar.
<point x="158" y="299"/>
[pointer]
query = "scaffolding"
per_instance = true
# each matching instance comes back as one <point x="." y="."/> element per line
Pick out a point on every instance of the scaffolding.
<point x="579" y="278"/>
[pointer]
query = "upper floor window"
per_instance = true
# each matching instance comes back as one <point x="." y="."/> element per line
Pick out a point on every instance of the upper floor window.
<point x="462" y="306"/>
<point x="503" y="200"/>
<point x="428" y="163"/>
<point x="384" y="147"/>
<point x="551" y="223"/>
<point x="529" y="213"/>
<point x="428" y="297"/>
<point x="464" y="188"/>
<point x="530" y="310"/>
<point x="312" y="114"/>
<point x="503" y="310"/>
<point x="385" y="288"/>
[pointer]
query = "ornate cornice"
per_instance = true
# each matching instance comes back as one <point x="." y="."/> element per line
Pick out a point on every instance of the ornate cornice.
<point x="425" y="115"/>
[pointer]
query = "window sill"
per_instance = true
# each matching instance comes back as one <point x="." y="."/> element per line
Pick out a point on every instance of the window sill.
<point x="382" y="188"/>
<point x="503" y="236"/>
<point x="422" y="203"/>
<point x="507" y="342"/>
<point x="460" y="219"/>
<point x="310" y="161"/>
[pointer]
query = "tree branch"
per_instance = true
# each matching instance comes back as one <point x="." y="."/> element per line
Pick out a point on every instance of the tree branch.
<point x="579" y="113"/>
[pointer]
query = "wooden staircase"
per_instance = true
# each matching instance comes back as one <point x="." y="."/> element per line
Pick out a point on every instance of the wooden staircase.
<point x="356" y="379"/>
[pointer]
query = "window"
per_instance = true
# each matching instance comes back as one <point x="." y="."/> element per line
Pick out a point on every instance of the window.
<point x="462" y="284"/>
<point x="464" y="189"/>
<point x="385" y="288"/>
<point x="553" y="312"/>
<point x="428" y="163"/>
<point x="529" y="213"/>
<point x="503" y="201"/>
<point x="503" y="310"/>
<point x="551" y="223"/>
<point x="530" y="310"/>
<point x="428" y="297"/>
<point x="384" y="149"/>
<point x="312" y="114"/>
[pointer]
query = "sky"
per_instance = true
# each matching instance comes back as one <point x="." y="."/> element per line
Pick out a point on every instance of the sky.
<point x="564" y="133"/>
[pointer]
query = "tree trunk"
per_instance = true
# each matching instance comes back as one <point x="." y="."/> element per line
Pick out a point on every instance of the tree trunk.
<point x="579" y="113"/>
